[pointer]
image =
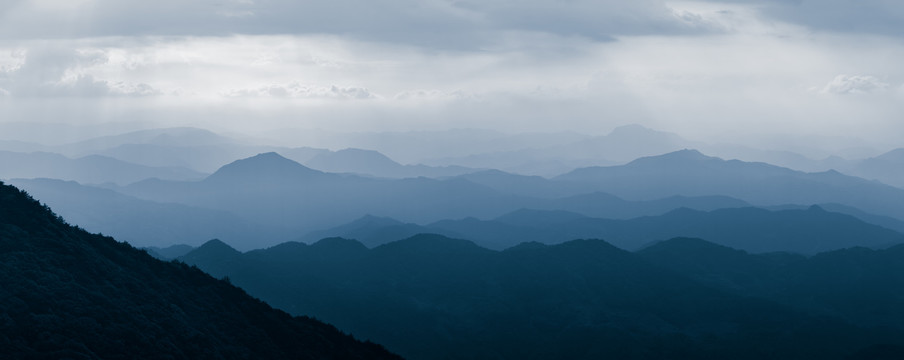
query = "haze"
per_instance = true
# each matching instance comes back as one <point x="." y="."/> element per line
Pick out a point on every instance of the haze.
<point x="808" y="74"/>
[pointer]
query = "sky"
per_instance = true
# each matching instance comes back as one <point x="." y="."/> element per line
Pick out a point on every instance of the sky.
<point x="741" y="70"/>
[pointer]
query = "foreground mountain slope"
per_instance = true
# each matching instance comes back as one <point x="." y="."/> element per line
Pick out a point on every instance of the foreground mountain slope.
<point x="433" y="297"/>
<point x="70" y="294"/>
<point x="141" y="222"/>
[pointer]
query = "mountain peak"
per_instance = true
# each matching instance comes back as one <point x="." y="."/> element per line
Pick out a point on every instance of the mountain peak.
<point x="432" y="244"/>
<point x="674" y="158"/>
<point x="816" y="208"/>
<point x="356" y="161"/>
<point x="218" y="246"/>
<point x="338" y="245"/>
<point x="264" y="166"/>
<point x="687" y="245"/>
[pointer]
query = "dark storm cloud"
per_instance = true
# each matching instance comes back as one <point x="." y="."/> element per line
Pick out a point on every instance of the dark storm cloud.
<point x="428" y="23"/>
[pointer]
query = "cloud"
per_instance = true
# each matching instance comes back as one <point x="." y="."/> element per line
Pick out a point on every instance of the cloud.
<point x="427" y="23"/>
<point x="884" y="17"/>
<point x="54" y="71"/>
<point x="296" y="90"/>
<point x="434" y="95"/>
<point x="854" y="84"/>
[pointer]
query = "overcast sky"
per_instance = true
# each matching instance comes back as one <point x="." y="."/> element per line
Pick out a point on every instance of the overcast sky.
<point x="735" y="70"/>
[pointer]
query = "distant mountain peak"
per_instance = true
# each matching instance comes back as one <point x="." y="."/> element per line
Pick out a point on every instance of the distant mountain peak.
<point x="219" y="246"/>
<point x="354" y="160"/>
<point x="675" y="157"/>
<point x="431" y="243"/>
<point x="338" y="244"/>
<point x="269" y="165"/>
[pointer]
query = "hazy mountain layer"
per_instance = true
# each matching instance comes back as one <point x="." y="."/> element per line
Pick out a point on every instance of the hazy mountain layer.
<point x="267" y="199"/>
<point x="801" y="231"/>
<point x="691" y="173"/>
<point x="68" y="294"/>
<point x="144" y="222"/>
<point x="92" y="169"/>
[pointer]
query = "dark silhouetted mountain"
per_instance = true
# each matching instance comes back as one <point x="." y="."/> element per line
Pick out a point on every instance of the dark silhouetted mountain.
<point x="91" y="169"/>
<point x="143" y="222"/>
<point x="859" y="285"/>
<point x="582" y="299"/>
<point x="217" y="256"/>
<point x="68" y="294"/>
<point x="691" y="173"/>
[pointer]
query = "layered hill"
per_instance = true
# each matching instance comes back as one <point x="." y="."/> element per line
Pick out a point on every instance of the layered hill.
<point x="142" y="222"/>
<point x="805" y="231"/>
<point x="690" y="173"/>
<point x="860" y="285"/>
<point x="92" y="169"/>
<point x="70" y="294"/>
<point x="582" y="299"/>
<point x="289" y="199"/>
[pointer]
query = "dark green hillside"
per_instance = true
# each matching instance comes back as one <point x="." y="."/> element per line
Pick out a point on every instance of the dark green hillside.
<point x="69" y="294"/>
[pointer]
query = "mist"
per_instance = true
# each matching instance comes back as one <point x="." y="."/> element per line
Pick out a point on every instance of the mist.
<point x="434" y="179"/>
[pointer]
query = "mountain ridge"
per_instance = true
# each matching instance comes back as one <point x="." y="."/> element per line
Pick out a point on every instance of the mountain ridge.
<point x="70" y="294"/>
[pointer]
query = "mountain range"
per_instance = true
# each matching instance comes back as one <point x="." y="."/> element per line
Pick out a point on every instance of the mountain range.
<point x="447" y="153"/>
<point x="288" y="200"/>
<point x="91" y="169"/>
<point x="690" y="173"/>
<point x="69" y="294"/>
<point x="755" y="230"/>
<point x="142" y="222"/>
<point x="580" y="299"/>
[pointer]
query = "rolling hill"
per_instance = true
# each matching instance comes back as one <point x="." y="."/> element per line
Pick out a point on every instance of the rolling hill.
<point x="805" y="231"/>
<point x="582" y="299"/>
